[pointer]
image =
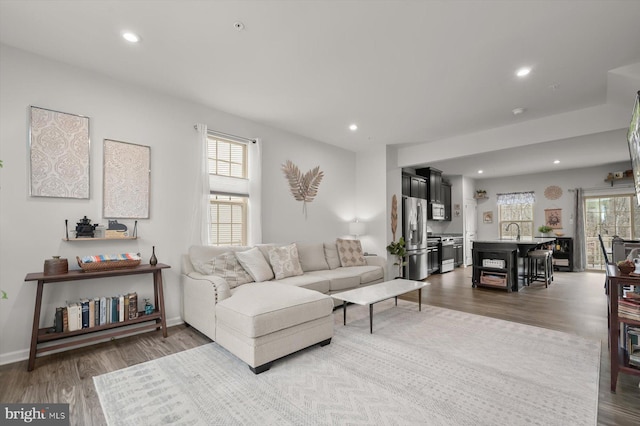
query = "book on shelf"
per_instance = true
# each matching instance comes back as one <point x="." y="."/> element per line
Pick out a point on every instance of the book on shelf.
<point x="133" y="305"/>
<point x="92" y="314"/>
<point x="96" y="311"/>
<point x="121" y="308"/>
<point x="65" y="319"/>
<point x="75" y="316"/>
<point x="103" y="310"/>
<point x="84" y="306"/>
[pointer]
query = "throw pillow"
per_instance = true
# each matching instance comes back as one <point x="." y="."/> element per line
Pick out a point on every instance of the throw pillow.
<point x="331" y="253"/>
<point x="226" y="266"/>
<point x="255" y="264"/>
<point x="284" y="261"/>
<point x="350" y="252"/>
<point x="312" y="257"/>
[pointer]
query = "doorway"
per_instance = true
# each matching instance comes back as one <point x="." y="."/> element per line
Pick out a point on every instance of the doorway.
<point x="608" y="215"/>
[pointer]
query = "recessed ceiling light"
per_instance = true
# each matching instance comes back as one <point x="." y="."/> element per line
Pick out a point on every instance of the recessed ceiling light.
<point x="353" y="127"/>
<point x="556" y="161"/>
<point x="238" y="26"/>
<point x="131" y="37"/>
<point x="480" y="171"/>
<point x="523" y="72"/>
<point x="518" y="111"/>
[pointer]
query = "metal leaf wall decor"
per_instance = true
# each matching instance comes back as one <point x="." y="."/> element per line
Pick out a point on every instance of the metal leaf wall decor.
<point x="304" y="187"/>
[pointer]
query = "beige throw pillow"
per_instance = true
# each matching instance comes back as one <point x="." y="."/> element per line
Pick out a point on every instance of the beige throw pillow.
<point x="331" y="254"/>
<point x="312" y="257"/>
<point x="284" y="261"/>
<point x="350" y="252"/>
<point x="255" y="264"/>
<point x="226" y="266"/>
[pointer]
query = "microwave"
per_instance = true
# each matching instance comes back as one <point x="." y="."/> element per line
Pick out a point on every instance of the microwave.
<point x="436" y="211"/>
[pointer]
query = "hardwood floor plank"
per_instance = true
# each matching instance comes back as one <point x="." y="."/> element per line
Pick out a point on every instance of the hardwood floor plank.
<point x="574" y="303"/>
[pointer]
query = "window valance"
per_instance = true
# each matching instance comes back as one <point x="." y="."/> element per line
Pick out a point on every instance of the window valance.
<point x="516" y="198"/>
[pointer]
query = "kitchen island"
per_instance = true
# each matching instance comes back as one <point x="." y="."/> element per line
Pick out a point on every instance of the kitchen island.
<point x="495" y="262"/>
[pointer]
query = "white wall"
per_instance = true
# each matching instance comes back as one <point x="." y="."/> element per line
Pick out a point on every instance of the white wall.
<point x="371" y="199"/>
<point x="588" y="178"/>
<point x="31" y="229"/>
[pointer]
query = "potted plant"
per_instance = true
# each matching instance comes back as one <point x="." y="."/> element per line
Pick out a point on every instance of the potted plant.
<point x="545" y="230"/>
<point x="398" y="250"/>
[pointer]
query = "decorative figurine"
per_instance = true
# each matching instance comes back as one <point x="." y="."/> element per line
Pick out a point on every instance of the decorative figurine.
<point x="84" y="228"/>
<point x="148" y="307"/>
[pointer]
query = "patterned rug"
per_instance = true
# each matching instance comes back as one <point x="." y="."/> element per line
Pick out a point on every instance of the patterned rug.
<point x="435" y="367"/>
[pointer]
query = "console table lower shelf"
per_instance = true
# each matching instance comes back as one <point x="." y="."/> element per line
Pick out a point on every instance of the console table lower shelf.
<point x="148" y="322"/>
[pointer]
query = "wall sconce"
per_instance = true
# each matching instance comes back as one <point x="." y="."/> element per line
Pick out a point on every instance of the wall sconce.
<point x="357" y="228"/>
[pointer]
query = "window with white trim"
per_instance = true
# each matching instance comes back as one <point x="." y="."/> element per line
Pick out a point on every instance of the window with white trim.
<point x="227" y="164"/>
<point x="516" y="208"/>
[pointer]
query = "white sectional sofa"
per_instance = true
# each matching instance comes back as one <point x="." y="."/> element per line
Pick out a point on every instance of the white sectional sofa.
<point x="264" y="302"/>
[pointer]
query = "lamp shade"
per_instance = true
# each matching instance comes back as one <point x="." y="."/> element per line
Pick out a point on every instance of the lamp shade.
<point x="357" y="228"/>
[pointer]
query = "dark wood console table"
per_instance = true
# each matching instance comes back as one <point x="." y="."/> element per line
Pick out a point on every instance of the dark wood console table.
<point x="618" y="356"/>
<point x="42" y="335"/>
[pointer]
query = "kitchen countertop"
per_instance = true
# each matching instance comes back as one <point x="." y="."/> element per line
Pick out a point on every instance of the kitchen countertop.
<point x="524" y="240"/>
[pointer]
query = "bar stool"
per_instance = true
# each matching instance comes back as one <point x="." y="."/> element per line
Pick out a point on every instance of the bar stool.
<point x="541" y="259"/>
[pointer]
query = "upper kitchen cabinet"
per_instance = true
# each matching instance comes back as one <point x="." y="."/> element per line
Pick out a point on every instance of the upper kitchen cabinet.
<point x="414" y="186"/>
<point x="434" y="187"/>
<point x="445" y="190"/>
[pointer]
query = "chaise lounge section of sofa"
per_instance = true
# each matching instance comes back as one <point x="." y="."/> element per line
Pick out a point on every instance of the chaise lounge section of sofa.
<point x="264" y="302"/>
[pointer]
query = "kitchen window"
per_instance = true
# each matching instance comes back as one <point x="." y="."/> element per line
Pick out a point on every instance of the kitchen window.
<point x="520" y="214"/>
<point x="516" y="208"/>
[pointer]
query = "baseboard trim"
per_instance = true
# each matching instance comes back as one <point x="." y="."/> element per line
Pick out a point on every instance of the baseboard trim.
<point x="23" y="354"/>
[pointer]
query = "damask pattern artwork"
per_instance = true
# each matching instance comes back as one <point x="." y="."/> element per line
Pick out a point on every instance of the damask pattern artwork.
<point x="127" y="172"/>
<point x="59" y="154"/>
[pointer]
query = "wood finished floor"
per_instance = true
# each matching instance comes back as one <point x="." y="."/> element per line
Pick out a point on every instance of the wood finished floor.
<point x="575" y="303"/>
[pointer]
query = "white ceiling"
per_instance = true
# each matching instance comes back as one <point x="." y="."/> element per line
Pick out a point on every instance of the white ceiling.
<point x="406" y="72"/>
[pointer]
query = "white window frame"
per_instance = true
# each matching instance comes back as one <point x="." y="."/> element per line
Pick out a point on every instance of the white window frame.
<point x="227" y="189"/>
<point x="525" y="225"/>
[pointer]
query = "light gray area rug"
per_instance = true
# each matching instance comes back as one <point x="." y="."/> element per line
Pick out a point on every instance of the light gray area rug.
<point x="435" y="367"/>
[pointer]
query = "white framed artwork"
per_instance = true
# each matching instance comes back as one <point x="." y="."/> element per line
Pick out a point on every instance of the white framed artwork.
<point x="126" y="180"/>
<point x="59" y="149"/>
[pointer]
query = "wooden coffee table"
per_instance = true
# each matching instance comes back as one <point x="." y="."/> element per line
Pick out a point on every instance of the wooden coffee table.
<point x="377" y="293"/>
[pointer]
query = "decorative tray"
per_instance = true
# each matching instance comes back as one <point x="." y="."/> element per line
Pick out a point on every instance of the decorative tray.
<point x="105" y="266"/>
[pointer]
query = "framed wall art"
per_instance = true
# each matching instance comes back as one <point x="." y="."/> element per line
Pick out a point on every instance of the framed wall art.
<point x="487" y="217"/>
<point x="126" y="180"/>
<point x="59" y="150"/>
<point x="553" y="218"/>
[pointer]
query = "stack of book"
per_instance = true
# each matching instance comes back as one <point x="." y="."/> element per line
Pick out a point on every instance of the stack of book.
<point x="629" y="308"/>
<point x="88" y="313"/>
<point x="633" y="345"/>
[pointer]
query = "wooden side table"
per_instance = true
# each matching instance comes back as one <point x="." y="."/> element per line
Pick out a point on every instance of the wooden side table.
<point x="41" y="335"/>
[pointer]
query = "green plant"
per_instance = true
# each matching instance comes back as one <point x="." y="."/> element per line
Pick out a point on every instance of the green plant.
<point x="398" y="250"/>
<point x="544" y="229"/>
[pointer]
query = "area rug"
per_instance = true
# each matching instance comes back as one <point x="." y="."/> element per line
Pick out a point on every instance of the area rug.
<point x="435" y="367"/>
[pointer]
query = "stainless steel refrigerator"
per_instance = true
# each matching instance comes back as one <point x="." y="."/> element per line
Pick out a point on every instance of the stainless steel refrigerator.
<point x="414" y="230"/>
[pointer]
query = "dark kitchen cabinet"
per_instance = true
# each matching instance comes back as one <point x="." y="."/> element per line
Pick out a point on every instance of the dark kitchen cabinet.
<point x="434" y="183"/>
<point x="414" y="186"/>
<point x="418" y="187"/>
<point x="445" y="190"/>
<point x="458" y="248"/>
<point x="406" y="185"/>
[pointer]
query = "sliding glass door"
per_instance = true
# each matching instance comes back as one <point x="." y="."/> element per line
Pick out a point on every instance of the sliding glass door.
<point x="608" y="216"/>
